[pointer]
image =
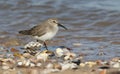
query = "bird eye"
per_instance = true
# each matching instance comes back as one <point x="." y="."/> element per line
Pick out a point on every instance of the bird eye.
<point x="54" y="21"/>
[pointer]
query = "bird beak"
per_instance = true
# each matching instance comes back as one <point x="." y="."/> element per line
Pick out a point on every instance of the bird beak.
<point x="62" y="26"/>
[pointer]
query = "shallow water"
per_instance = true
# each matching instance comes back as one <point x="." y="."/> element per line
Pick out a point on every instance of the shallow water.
<point x="92" y="23"/>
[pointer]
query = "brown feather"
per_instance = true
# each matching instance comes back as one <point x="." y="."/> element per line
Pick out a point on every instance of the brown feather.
<point x="24" y="32"/>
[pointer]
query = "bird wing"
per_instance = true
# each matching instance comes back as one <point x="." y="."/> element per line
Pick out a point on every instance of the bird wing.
<point x="38" y="30"/>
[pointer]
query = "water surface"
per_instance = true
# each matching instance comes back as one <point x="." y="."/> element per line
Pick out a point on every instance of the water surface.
<point x="93" y="23"/>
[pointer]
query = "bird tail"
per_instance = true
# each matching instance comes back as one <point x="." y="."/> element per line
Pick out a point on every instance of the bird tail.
<point x="24" y="32"/>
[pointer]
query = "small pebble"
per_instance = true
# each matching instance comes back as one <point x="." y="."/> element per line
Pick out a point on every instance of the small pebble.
<point x="116" y="65"/>
<point x="38" y="64"/>
<point x="82" y="64"/>
<point x="49" y="66"/>
<point x="32" y="65"/>
<point x="5" y="67"/>
<point x="19" y="63"/>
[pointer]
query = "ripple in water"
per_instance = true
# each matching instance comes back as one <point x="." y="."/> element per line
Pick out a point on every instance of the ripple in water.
<point x="91" y="22"/>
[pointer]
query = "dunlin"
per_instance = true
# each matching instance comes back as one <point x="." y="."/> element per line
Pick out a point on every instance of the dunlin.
<point x="44" y="31"/>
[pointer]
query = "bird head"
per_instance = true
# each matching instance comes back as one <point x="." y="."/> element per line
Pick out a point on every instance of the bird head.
<point x="55" y="22"/>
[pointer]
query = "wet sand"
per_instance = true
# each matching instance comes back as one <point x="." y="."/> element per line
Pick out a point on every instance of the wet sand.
<point x="84" y="70"/>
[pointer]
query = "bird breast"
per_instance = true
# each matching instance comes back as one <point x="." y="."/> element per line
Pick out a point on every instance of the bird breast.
<point x="48" y="35"/>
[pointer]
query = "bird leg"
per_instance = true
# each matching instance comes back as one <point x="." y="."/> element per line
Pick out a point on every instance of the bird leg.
<point x="45" y="45"/>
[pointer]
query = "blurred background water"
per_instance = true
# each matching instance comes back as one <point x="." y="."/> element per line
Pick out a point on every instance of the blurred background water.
<point x="93" y="23"/>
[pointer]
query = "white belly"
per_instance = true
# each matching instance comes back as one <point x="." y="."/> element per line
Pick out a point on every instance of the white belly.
<point x="46" y="36"/>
